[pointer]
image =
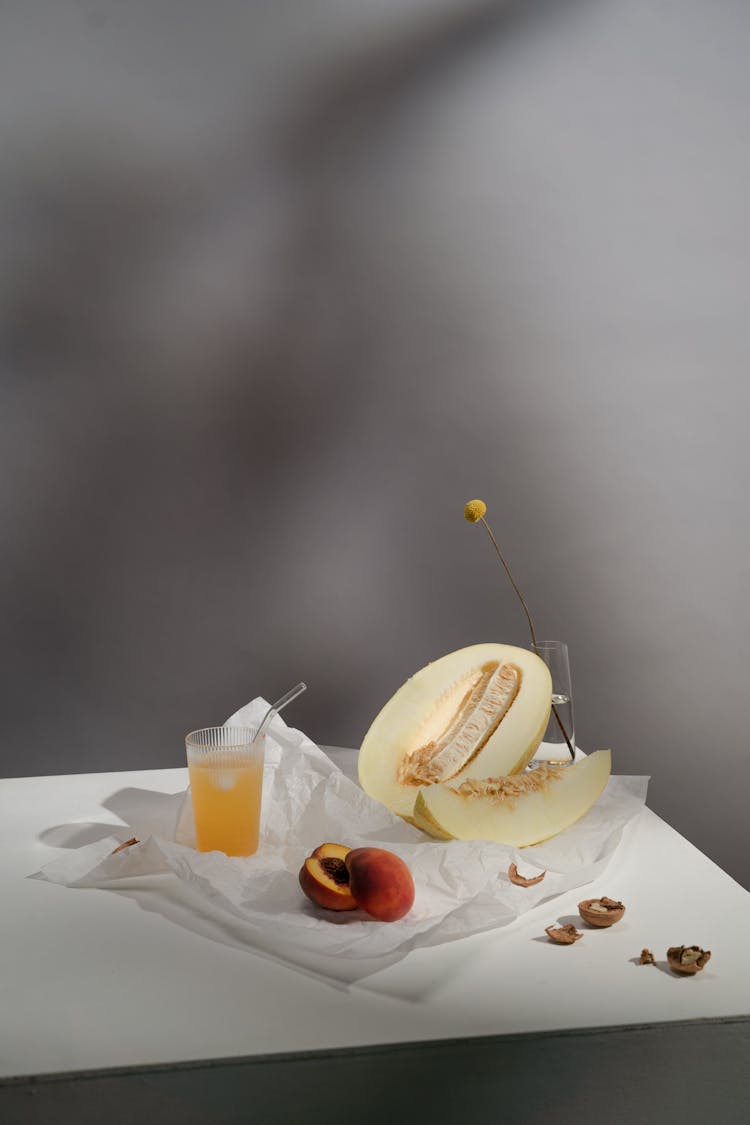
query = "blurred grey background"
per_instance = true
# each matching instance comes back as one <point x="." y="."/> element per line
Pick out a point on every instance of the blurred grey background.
<point x="285" y="284"/>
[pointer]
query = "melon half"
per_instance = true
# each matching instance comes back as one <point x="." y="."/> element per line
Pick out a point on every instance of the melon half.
<point x="520" y="810"/>
<point x="475" y="713"/>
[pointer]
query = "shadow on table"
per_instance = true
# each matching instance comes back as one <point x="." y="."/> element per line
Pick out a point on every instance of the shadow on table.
<point x="76" y="835"/>
<point x="146" y="812"/>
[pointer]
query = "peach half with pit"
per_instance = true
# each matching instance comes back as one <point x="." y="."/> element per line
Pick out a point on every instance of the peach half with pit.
<point x="325" y="879"/>
<point x="380" y="882"/>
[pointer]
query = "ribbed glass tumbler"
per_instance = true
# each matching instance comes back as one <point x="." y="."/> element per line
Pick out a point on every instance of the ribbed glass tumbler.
<point x="226" y="786"/>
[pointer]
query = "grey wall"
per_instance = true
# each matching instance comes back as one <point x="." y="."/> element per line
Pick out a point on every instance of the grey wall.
<point x="285" y="284"/>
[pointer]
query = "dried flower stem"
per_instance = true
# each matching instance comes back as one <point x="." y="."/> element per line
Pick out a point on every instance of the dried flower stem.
<point x="512" y="580"/>
<point x="531" y="626"/>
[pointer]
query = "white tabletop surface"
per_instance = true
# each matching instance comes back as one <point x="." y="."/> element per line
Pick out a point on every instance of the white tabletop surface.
<point x="94" y="978"/>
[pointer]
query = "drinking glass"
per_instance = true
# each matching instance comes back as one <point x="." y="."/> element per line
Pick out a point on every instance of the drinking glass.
<point x="553" y="749"/>
<point x="226" y="784"/>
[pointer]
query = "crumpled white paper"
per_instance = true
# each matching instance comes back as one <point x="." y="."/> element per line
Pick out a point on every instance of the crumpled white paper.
<point x="462" y="887"/>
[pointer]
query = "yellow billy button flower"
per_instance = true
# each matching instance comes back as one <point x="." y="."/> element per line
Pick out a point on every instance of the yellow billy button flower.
<point x="474" y="510"/>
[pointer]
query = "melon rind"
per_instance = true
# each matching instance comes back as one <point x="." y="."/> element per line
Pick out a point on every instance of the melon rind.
<point x="395" y="729"/>
<point x="521" y="820"/>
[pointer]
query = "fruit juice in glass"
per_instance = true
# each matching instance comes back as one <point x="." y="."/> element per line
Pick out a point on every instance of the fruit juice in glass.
<point x="226" y="784"/>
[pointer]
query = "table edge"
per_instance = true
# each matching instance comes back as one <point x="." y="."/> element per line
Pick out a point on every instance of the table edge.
<point x="373" y="1049"/>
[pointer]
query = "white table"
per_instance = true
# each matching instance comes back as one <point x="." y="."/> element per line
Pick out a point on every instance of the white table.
<point x="107" y="1002"/>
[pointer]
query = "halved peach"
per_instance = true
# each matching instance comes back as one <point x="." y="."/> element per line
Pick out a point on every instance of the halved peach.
<point x="325" y="879"/>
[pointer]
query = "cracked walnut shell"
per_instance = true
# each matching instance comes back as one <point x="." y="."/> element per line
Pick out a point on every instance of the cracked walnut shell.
<point x="522" y="880"/>
<point x="563" y="935"/>
<point x="601" y="911"/>
<point x="687" y="958"/>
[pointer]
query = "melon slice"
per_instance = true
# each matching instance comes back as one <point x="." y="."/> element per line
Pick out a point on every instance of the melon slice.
<point x="477" y="712"/>
<point x="524" y="809"/>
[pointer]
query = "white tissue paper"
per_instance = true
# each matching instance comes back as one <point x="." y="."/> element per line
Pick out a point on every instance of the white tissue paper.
<point x="462" y="887"/>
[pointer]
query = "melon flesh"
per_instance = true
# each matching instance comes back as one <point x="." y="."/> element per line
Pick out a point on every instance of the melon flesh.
<point x="478" y="712"/>
<point x="523" y="809"/>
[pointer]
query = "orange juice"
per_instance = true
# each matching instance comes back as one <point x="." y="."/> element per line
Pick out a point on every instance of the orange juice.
<point x="226" y="793"/>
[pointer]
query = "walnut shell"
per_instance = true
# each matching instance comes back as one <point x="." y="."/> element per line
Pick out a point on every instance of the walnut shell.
<point x="601" y="911"/>
<point x="687" y="958"/>
<point x="522" y="880"/>
<point x="563" y="935"/>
